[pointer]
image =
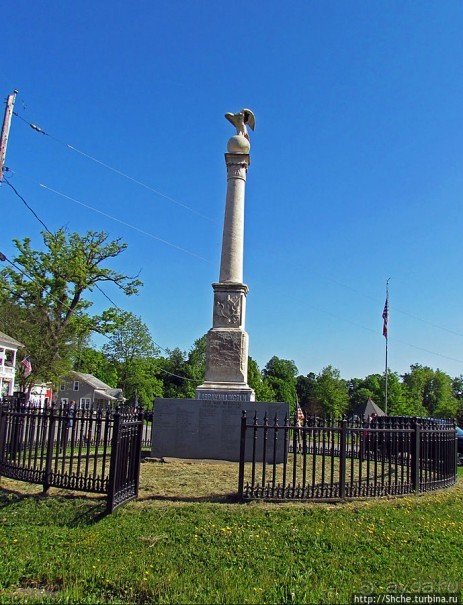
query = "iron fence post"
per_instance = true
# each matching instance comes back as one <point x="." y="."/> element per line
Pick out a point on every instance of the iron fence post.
<point x="113" y="463"/>
<point x="141" y="426"/>
<point x="242" y="454"/>
<point x="3" y="422"/>
<point x="342" y="460"/>
<point x="416" y="458"/>
<point x="15" y="423"/>
<point x="49" y="457"/>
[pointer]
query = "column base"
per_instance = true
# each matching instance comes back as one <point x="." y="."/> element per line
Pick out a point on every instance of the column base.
<point x="225" y="391"/>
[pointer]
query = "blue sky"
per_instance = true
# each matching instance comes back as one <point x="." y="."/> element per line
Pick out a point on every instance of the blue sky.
<point x="356" y="169"/>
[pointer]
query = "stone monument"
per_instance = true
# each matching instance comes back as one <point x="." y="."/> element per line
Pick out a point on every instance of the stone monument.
<point x="209" y="426"/>
<point x="227" y="341"/>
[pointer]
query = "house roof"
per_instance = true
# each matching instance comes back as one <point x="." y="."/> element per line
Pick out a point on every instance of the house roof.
<point x="368" y="408"/>
<point x="104" y="395"/>
<point x="100" y="387"/>
<point x="7" y="340"/>
<point x="92" y="381"/>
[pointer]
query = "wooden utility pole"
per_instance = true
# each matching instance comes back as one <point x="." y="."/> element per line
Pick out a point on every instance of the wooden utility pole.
<point x="6" y="129"/>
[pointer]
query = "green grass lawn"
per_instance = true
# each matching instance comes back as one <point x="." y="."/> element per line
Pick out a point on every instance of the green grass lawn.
<point x="186" y="541"/>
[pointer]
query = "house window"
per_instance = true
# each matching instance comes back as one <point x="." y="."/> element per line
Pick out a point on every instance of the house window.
<point x="64" y="400"/>
<point x="85" y="403"/>
<point x="62" y="387"/>
<point x="76" y="385"/>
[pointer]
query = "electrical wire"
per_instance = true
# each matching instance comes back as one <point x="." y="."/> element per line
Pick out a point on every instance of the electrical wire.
<point x="27" y="205"/>
<point x="117" y="220"/>
<point x="177" y="376"/>
<point x="166" y="350"/>
<point x="3" y="258"/>
<point x="107" y="215"/>
<point x="108" y="167"/>
<point x="391" y="307"/>
<point x="342" y="318"/>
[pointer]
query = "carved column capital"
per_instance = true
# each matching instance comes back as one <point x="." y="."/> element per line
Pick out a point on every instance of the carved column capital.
<point x="237" y="165"/>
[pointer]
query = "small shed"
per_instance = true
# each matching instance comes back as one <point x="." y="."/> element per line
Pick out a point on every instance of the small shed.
<point x="365" y="410"/>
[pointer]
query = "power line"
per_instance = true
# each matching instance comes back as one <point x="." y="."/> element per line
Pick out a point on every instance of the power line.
<point x="377" y="332"/>
<point x="394" y="308"/>
<point x="166" y="350"/>
<point x="110" y="216"/>
<point x="27" y="205"/>
<point x="108" y="167"/>
<point x="39" y="130"/>
<point x="3" y="258"/>
<point x="47" y="229"/>
<point x="117" y="220"/>
<point x="177" y="376"/>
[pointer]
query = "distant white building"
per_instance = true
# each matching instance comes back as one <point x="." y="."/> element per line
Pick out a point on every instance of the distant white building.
<point x="8" y="352"/>
<point x="40" y="396"/>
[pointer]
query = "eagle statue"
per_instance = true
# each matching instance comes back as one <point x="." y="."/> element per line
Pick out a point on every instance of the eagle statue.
<point x="242" y="119"/>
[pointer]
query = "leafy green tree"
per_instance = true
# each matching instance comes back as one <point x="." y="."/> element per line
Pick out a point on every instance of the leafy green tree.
<point x="174" y="373"/>
<point x="263" y="391"/>
<point x="331" y="391"/>
<point x="457" y="390"/>
<point x="128" y="348"/>
<point x="26" y="326"/>
<point x="280" y="376"/>
<point x="443" y="403"/>
<point x="92" y="361"/>
<point x="48" y="287"/>
<point x="417" y="390"/>
<point x="374" y="387"/>
<point x="196" y="365"/>
<point x="306" y="388"/>
<point x="397" y="403"/>
<point x="142" y="383"/>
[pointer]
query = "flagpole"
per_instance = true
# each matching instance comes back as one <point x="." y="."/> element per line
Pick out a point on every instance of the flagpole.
<point x="385" y="407"/>
<point x="385" y="334"/>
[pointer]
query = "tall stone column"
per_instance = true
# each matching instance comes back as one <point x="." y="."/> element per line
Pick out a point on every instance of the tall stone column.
<point x="227" y="341"/>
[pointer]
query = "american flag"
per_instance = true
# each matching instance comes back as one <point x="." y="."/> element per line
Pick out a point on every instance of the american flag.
<point x="26" y="362"/>
<point x="385" y="317"/>
<point x="300" y="415"/>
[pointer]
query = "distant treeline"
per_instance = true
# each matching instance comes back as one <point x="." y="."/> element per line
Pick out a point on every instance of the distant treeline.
<point x="422" y="391"/>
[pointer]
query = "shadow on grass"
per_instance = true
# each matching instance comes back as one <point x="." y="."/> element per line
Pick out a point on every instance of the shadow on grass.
<point x="84" y="510"/>
<point x="212" y="498"/>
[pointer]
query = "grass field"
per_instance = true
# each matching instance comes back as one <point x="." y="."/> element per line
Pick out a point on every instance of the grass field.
<point x="186" y="541"/>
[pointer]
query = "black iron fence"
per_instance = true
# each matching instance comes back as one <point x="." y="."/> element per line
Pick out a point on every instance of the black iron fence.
<point x="86" y="450"/>
<point x="147" y="430"/>
<point x="99" y="451"/>
<point x="345" y="459"/>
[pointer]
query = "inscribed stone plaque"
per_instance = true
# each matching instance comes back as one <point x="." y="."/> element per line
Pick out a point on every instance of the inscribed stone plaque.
<point x="198" y="428"/>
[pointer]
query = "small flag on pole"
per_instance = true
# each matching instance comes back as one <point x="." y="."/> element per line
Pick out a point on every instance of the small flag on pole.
<point x="385" y="317"/>
<point x="26" y="362"/>
<point x="300" y="415"/>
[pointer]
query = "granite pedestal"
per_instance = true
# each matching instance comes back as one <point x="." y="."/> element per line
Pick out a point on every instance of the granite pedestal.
<point x="211" y="428"/>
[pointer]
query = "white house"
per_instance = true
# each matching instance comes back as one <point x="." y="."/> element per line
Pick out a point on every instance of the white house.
<point x="8" y="352"/>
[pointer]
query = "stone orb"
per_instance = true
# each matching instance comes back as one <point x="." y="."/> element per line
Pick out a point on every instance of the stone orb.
<point x="238" y="144"/>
